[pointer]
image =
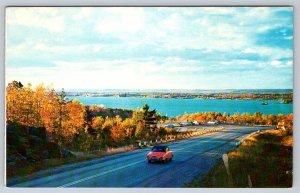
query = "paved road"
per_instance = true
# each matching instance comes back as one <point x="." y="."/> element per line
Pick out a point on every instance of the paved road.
<point x="192" y="157"/>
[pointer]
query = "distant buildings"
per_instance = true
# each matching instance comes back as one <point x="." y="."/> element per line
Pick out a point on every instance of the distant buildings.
<point x="187" y="123"/>
<point x="213" y="122"/>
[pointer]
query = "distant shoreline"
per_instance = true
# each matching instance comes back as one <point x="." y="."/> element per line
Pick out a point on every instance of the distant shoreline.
<point x="189" y="91"/>
<point x="285" y="98"/>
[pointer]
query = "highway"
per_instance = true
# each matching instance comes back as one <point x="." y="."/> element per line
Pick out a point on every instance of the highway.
<point x="192" y="157"/>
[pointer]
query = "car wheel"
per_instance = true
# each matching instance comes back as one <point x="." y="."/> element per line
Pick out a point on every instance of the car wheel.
<point x="165" y="161"/>
<point x="149" y="161"/>
<point x="170" y="159"/>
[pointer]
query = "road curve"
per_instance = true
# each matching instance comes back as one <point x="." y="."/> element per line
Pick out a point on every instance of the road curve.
<point x="194" y="156"/>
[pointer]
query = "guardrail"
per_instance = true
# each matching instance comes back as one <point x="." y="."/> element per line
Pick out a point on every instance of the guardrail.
<point x="184" y="135"/>
<point x="246" y="137"/>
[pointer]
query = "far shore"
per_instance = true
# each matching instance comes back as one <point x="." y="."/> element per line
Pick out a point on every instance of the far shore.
<point x="284" y="98"/>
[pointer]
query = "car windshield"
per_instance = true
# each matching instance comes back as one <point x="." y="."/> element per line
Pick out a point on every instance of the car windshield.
<point x="158" y="149"/>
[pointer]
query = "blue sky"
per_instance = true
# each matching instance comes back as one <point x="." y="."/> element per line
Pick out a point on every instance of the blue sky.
<point x="151" y="48"/>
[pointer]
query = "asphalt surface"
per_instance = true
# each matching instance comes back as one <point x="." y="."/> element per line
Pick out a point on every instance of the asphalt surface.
<point x="192" y="157"/>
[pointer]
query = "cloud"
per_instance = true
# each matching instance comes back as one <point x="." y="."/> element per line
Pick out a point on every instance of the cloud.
<point x="84" y="13"/>
<point x="44" y="18"/>
<point x="123" y="20"/>
<point x="249" y="51"/>
<point x="281" y="64"/>
<point x="151" y="47"/>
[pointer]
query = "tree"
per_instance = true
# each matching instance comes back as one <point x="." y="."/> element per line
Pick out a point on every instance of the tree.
<point x="129" y="128"/>
<point x="13" y="92"/>
<point x="62" y="115"/>
<point x="150" y="119"/>
<point x="271" y="120"/>
<point x="50" y="113"/>
<point x="74" y="120"/>
<point x="97" y="123"/>
<point x="117" y="131"/>
<point x="140" y="132"/>
<point x="106" y="129"/>
<point x="258" y="117"/>
<point x="82" y="140"/>
<point x="219" y="117"/>
<point x="139" y="122"/>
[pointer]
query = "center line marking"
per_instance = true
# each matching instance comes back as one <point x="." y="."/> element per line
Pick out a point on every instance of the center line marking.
<point x="100" y="174"/>
<point x="115" y="169"/>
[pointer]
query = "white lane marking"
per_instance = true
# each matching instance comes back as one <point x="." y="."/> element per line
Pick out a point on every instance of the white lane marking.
<point x="185" y="142"/>
<point x="201" y="141"/>
<point x="180" y="150"/>
<point x="112" y="170"/>
<point x="100" y="174"/>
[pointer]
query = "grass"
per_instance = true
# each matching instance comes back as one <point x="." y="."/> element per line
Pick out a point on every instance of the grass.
<point x="30" y="168"/>
<point x="265" y="157"/>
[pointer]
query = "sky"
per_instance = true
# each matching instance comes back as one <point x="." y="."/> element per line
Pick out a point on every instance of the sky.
<point x="150" y="47"/>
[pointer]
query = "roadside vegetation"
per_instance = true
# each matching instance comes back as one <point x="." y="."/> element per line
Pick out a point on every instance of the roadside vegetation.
<point x="236" y="118"/>
<point x="263" y="160"/>
<point x="44" y="129"/>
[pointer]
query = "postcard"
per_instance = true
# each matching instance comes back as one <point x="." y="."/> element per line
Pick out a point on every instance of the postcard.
<point x="151" y="97"/>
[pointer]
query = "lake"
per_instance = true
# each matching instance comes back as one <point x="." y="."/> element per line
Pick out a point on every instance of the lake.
<point x="174" y="107"/>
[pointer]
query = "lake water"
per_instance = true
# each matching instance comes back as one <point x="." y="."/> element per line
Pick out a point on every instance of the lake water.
<point x="175" y="107"/>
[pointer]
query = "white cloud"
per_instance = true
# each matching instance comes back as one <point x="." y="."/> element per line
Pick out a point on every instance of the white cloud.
<point x="274" y="53"/>
<point x="36" y="17"/>
<point x="289" y="63"/>
<point x="30" y="48"/>
<point x="208" y="32"/>
<point x="218" y="10"/>
<point x="170" y="23"/>
<point x="145" y="66"/>
<point x="249" y="51"/>
<point x="288" y="37"/>
<point x="121" y="20"/>
<point x="281" y="64"/>
<point x="68" y="49"/>
<point x="84" y="13"/>
<point x="276" y="63"/>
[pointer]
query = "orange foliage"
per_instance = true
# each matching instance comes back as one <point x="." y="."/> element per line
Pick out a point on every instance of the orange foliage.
<point x="23" y="105"/>
<point x="75" y="119"/>
<point x="128" y="125"/>
<point x="97" y="123"/>
<point x="40" y="107"/>
<point x="256" y="118"/>
<point x="117" y="131"/>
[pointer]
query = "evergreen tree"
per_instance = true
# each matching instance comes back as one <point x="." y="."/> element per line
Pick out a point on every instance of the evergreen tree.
<point x="150" y="118"/>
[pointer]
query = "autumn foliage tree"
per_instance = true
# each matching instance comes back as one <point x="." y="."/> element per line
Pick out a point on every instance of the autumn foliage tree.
<point x="245" y="118"/>
<point x="43" y="107"/>
<point x="23" y="104"/>
<point x="129" y="128"/>
<point x="117" y="130"/>
<point x="73" y="125"/>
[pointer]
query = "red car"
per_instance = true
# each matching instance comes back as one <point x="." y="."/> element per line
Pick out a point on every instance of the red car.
<point x="160" y="153"/>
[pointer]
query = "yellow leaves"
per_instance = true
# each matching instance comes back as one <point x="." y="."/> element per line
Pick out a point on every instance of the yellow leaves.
<point x="128" y="126"/>
<point x="40" y="107"/>
<point x="74" y="118"/>
<point x="112" y="127"/>
<point x="23" y="105"/>
<point x="97" y="122"/>
<point x="117" y="132"/>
